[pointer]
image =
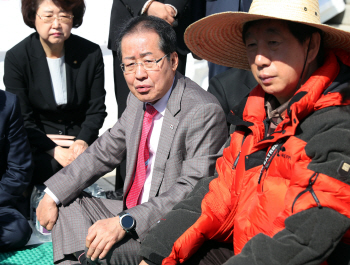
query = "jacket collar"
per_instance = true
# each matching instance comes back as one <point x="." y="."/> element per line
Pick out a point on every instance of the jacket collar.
<point x="41" y="70"/>
<point x="174" y="102"/>
<point x="309" y="98"/>
<point x="169" y="128"/>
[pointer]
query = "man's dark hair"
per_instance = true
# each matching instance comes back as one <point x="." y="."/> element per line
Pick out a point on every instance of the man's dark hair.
<point x="140" y="24"/>
<point x="300" y="31"/>
<point x="30" y="7"/>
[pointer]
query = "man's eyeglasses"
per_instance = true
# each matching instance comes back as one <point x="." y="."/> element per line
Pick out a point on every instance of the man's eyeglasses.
<point x="63" y="18"/>
<point x="147" y="64"/>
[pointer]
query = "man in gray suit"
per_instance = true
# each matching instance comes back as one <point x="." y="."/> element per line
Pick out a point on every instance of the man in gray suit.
<point x="185" y="136"/>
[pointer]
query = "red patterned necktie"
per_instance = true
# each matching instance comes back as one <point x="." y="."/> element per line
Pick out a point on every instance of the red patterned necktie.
<point x="142" y="158"/>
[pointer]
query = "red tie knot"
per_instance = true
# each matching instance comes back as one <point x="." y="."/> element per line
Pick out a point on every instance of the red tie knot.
<point x="150" y="111"/>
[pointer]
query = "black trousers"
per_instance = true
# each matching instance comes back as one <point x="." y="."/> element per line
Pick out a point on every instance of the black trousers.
<point x="14" y="229"/>
<point x="121" y="90"/>
<point x="211" y="253"/>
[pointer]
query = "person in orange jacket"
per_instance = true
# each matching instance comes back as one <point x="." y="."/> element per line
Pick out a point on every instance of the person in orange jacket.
<point x="282" y="195"/>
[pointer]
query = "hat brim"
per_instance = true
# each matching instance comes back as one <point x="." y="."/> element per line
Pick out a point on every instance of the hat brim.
<point x="218" y="38"/>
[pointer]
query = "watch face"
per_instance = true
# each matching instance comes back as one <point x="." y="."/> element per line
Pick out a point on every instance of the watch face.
<point x="127" y="222"/>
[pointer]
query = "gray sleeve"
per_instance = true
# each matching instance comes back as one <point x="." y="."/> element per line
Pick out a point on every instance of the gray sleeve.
<point x="97" y="160"/>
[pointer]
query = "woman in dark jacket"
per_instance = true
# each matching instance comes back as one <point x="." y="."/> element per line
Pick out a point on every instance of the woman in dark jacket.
<point x="59" y="80"/>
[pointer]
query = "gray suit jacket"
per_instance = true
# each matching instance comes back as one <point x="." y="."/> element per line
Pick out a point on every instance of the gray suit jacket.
<point x="193" y="130"/>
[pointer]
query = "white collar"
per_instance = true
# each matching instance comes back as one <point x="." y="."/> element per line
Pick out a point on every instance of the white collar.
<point x="160" y="105"/>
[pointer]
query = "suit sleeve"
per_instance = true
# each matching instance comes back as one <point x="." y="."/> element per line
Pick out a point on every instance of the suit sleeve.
<point x="179" y="4"/>
<point x="15" y="82"/>
<point x="98" y="159"/>
<point x="96" y="112"/>
<point x="134" y="6"/>
<point x="204" y="138"/>
<point x="18" y="158"/>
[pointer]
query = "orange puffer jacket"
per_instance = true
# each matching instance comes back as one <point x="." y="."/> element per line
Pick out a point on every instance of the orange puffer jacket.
<point x="262" y="181"/>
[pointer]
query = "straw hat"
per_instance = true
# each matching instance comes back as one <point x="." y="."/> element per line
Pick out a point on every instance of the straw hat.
<point x="218" y="38"/>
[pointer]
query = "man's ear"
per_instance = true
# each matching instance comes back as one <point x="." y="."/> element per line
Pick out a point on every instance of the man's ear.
<point x="174" y="60"/>
<point x="314" y="47"/>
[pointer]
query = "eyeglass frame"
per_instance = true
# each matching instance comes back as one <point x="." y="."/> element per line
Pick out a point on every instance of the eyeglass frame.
<point x="122" y="65"/>
<point x="56" y="17"/>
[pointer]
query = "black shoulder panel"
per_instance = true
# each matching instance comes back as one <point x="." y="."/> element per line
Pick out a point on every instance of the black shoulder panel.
<point x="255" y="159"/>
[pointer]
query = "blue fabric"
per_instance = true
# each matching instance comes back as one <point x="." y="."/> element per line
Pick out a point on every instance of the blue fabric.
<point x="15" y="154"/>
<point x="15" y="231"/>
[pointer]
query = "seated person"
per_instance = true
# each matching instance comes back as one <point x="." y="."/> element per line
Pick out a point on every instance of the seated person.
<point x="282" y="195"/>
<point x="15" y="173"/>
<point x="170" y="134"/>
<point x="59" y="80"/>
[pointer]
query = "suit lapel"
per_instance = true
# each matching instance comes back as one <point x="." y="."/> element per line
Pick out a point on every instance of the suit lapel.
<point x="73" y="62"/>
<point x="169" y="127"/>
<point x="133" y="147"/>
<point x="41" y="73"/>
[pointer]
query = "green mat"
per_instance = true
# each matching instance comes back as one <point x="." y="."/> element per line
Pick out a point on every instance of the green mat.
<point x="36" y="255"/>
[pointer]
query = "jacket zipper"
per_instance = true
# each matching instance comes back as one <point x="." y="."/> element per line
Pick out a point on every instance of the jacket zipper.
<point x="274" y="150"/>
<point x="309" y="188"/>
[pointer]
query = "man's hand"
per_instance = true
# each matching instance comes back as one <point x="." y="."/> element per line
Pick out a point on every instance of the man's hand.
<point x="47" y="212"/>
<point x="143" y="263"/>
<point x="63" y="156"/>
<point x="162" y="11"/>
<point x="102" y="235"/>
<point x="78" y="147"/>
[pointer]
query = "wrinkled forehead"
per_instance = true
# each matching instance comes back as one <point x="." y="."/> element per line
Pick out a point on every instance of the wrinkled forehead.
<point x="145" y="42"/>
<point x="267" y="26"/>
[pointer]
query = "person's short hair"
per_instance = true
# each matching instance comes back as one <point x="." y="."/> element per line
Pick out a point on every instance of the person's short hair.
<point x="300" y="31"/>
<point x="30" y="7"/>
<point x="140" y="24"/>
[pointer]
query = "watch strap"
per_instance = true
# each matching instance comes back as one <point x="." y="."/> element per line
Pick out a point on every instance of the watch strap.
<point x="132" y="231"/>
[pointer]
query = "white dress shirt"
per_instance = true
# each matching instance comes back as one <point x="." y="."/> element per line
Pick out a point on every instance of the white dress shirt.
<point x="152" y="142"/>
<point x="57" y="69"/>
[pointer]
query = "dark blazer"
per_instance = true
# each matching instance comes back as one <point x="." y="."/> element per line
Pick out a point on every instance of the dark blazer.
<point x="27" y="75"/>
<point x="15" y="155"/>
<point x="188" y="12"/>
<point x="231" y="86"/>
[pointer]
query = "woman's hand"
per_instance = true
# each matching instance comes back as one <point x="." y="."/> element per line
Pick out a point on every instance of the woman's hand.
<point x="63" y="156"/>
<point x="78" y="147"/>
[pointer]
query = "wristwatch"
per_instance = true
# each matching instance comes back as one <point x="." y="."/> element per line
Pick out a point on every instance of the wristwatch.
<point x="127" y="222"/>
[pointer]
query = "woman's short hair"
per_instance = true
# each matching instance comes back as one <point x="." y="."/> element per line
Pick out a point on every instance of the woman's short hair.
<point x="30" y="7"/>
